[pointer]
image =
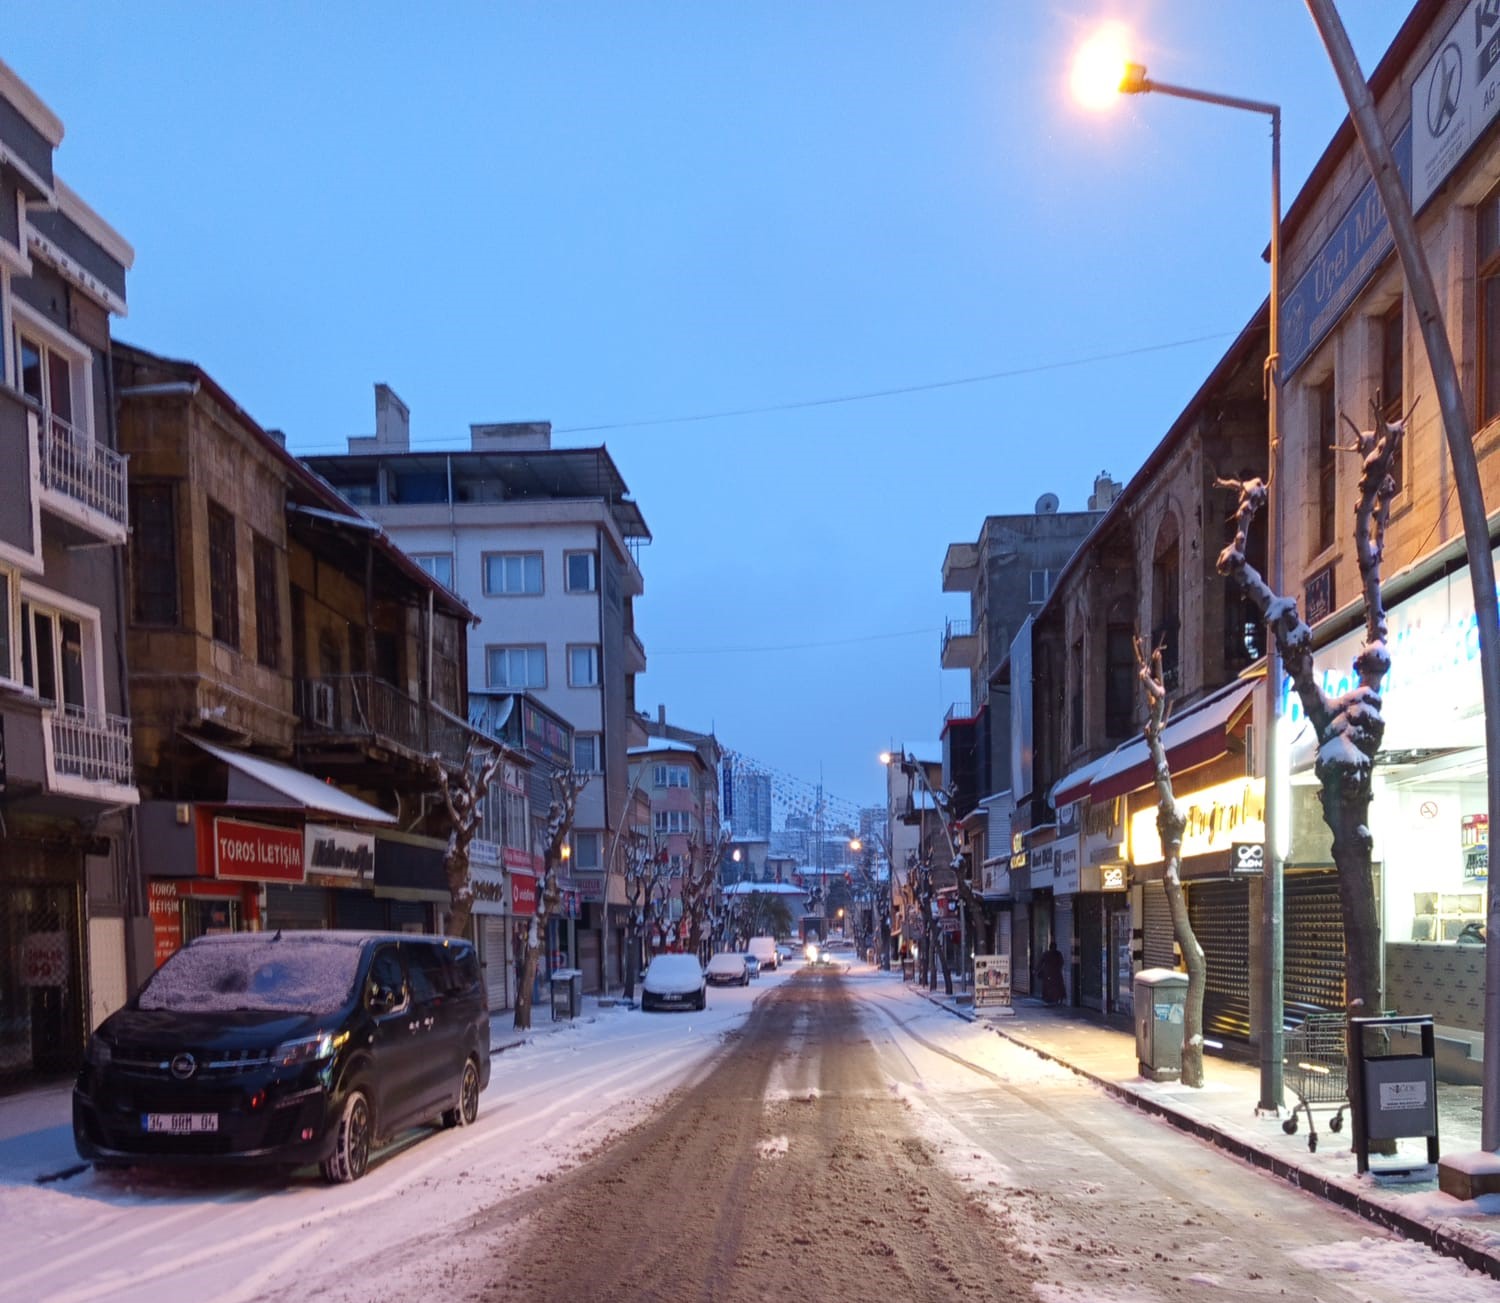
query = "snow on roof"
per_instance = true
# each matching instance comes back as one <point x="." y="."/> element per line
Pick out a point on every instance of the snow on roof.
<point x="663" y="744"/>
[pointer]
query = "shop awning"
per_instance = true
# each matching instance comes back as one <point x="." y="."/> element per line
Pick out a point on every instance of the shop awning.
<point x="1076" y="785"/>
<point x="1191" y="739"/>
<point x="254" y="780"/>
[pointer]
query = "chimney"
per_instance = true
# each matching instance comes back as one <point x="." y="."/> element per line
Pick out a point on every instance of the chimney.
<point x="661" y="715"/>
<point x="278" y="437"/>
<point x="392" y="421"/>
<point x="511" y="436"/>
<point x="1106" y="490"/>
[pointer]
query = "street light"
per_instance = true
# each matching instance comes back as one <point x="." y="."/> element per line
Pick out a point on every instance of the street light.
<point x="1100" y="63"/>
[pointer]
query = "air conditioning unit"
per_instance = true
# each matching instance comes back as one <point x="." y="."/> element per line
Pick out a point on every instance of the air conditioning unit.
<point x="320" y="703"/>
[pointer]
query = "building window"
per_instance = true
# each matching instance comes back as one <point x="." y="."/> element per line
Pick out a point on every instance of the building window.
<point x="585" y="850"/>
<point x="670" y="821"/>
<point x="223" y="576"/>
<point x="512" y="574"/>
<point x="1041" y="585"/>
<point x="582" y="574"/>
<point x="52" y="654"/>
<point x="1392" y="392"/>
<point x="517" y="668"/>
<point x="437" y="564"/>
<point x="153" y="553"/>
<point x="583" y="667"/>
<point x="52" y="378"/>
<point x="1076" y="693"/>
<point x="586" y="753"/>
<point x="267" y="605"/>
<point x="1166" y="604"/>
<point x="672" y="776"/>
<point x="1120" y="681"/>
<point x="1489" y="307"/>
<point x="1325" y="427"/>
<point x="7" y="643"/>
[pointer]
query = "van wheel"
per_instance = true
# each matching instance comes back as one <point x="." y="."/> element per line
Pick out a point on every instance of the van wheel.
<point x="468" y="1098"/>
<point x="351" y="1150"/>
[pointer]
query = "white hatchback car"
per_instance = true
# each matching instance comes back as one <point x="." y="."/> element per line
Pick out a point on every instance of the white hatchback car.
<point x="674" y="982"/>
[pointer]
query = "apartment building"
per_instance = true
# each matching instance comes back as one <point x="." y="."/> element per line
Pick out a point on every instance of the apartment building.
<point x="73" y="939"/>
<point x="541" y="543"/>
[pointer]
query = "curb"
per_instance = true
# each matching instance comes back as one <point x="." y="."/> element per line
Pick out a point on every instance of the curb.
<point x="1410" y="1228"/>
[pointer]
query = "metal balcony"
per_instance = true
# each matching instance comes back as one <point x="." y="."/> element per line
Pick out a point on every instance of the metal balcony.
<point x="960" y="645"/>
<point x="360" y="706"/>
<point x="84" y="472"/>
<point x="91" y="746"/>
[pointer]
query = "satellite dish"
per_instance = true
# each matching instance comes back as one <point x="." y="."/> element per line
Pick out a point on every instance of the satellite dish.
<point x="1047" y="504"/>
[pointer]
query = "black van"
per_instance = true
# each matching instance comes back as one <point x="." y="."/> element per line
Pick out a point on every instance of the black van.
<point x="290" y="1048"/>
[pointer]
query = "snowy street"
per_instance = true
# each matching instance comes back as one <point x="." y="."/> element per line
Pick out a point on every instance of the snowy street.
<point x="849" y="1139"/>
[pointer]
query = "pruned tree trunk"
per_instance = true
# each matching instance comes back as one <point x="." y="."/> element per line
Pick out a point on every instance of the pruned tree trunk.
<point x="567" y="784"/>
<point x="463" y="797"/>
<point x="1169" y="826"/>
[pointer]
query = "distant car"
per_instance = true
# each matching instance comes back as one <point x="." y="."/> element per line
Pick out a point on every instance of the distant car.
<point x="674" y="982"/>
<point x="783" y="953"/>
<point x="840" y="951"/>
<point x="752" y="964"/>
<point x="764" y="949"/>
<point x="727" y="970"/>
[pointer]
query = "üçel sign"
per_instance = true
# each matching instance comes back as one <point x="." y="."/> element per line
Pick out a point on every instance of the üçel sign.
<point x="257" y="852"/>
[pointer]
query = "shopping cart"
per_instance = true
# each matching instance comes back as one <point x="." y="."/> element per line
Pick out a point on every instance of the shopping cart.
<point x="1316" y="1070"/>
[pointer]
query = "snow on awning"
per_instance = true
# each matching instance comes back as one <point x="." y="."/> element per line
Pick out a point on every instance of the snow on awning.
<point x="1193" y="738"/>
<point x="764" y="888"/>
<point x="1075" y="786"/>
<point x="254" y="780"/>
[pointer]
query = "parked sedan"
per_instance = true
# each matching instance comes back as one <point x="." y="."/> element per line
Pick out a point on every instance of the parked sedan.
<point x="674" y="982"/>
<point x="727" y="970"/>
<point x="752" y="964"/>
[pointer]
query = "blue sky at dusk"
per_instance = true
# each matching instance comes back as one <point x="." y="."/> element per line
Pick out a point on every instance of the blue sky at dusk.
<point x="615" y="215"/>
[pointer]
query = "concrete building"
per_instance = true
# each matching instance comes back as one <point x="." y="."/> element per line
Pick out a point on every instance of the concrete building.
<point x="74" y="940"/>
<point x="542" y="545"/>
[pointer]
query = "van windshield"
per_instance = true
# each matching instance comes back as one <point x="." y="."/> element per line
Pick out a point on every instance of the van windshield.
<point x="281" y="976"/>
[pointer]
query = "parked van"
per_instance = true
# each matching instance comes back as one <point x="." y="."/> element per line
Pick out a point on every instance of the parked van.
<point x="764" y="949"/>
<point x="290" y="1048"/>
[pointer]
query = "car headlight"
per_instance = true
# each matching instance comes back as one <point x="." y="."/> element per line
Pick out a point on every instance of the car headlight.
<point x="99" y="1052"/>
<point x="305" y="1049"/>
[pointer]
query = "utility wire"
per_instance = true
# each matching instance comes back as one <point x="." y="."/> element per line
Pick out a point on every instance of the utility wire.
<point x="791" y="646"/>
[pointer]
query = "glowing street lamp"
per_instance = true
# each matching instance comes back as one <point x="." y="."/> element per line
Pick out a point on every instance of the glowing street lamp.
<point x="1101" y="70"/>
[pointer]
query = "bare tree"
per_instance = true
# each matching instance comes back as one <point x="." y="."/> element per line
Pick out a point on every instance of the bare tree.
<point x="463" y="796"/>
<point x="567" y="784"/>
<point x="700" y="883"/>
<point x="646" y="882"/>
<point x="1349" y="728"/>
<point x="1169" y="826"/>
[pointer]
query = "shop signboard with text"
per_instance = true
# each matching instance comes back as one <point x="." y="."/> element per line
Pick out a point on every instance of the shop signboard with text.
<point x="257" y="852"/>
<point x="522" y="892"/>
<point x="1216" y="818"/>
<point x="1065" y="866"/>
<point x="338" y="852"/>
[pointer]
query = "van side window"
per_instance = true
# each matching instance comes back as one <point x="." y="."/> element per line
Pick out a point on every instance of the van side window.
<point x="385" y="972"/>
<point x="463" y="971"/>
<point x="428" y="981"/>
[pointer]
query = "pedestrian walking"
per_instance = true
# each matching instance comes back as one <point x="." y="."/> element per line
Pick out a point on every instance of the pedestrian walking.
<point x="1049" y="970"/>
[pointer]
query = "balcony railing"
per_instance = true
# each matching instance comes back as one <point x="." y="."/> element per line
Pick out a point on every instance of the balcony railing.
<point x="92" y="746"/>
<point x="76" y="466"/>
<point x="959" y="710"/>
<point x="360" y="705"/>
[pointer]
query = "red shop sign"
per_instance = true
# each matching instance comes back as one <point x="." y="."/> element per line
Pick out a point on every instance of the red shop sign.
<point x="257" y="851"/>
<point x="522" y="893"/>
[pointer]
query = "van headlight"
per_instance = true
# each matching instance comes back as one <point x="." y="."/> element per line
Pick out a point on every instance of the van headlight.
<point x="99" y="1052"/>
<point x="305" y="1049"/>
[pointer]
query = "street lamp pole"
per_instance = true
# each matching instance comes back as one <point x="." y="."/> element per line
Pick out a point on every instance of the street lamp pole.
<point x="1271" y="990"/>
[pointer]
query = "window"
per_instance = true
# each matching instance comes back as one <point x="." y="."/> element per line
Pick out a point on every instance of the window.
<point x="1120" y="682"/>
<point x="586" y="753"/>
<point x="1076" y="694"/>
<point x="583" y="667"/>
<point x="1325" y="431"/>
<point x="517" y="667"/>
<point x="153" y="553"/>
<point x="1041" y="585"/>
<point x="1166" y="587"/>
<point x="223" y="576"/>
<point x="671" y="776"/>
<point x="670" y="821"/>
<point x="581" y="576"/>
<point x="1489" y="307"/>
<point x="512" y="574"/>
<point x="52" y="650"/>
<point x="48" y="377"/>
<point x="585" y="850"/>
<point x="7" y="647"/>
<point x="267" y="605"/>
<point x="437" y="564"/>
<point x="1392" y="396"/>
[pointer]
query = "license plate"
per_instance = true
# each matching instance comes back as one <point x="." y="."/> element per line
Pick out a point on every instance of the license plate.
<point x="180" y="1124"/>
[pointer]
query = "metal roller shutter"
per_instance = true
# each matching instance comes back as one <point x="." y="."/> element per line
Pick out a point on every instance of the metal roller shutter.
<point x="1062" y="935"/>
<point x="1093" y="961"/>
<point x="588" y="959"/>
<point x="495" y="938"/>
<point x="1157" y="935"/>
<point x="1020" y="940"/>
<point x="296" y="908"/>
<point x="360" y="911"/>
<point x="1220" y="915"/>
<point x="1313" y="944"/>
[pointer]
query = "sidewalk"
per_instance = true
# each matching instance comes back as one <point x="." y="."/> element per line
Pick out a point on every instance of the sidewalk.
<point x="36" y="1125"/>
<point x="1223" y="1113"/>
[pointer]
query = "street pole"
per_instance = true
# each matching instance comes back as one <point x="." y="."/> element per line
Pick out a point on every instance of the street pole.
<point x="1271" y="986"/>
<point x="1460" y="437"/>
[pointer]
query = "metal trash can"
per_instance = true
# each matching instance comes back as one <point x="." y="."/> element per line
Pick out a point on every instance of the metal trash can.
<point x="1395" y="1091"/>
<point x="567" y="992"/>
<point x="1160" y="1008"/>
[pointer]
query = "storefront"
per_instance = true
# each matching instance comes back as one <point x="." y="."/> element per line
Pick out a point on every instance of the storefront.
<point x="1429" y="819"/>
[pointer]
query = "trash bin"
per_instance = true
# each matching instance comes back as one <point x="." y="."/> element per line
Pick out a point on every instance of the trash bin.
<point x="567" y="992"/>
<point x="1396" y="1091"/>
<point x="1160" y="1007"/>
<point x="908" y="968"/>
